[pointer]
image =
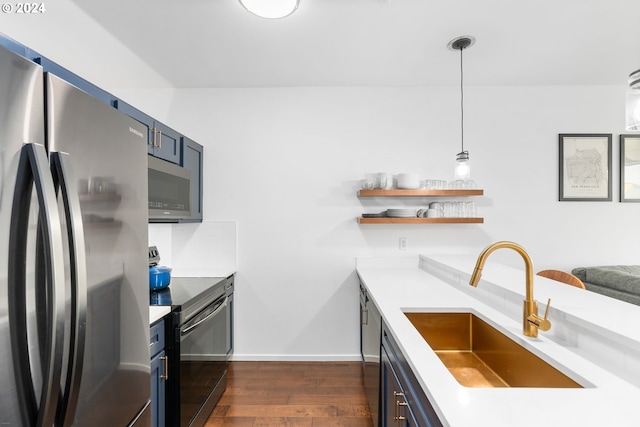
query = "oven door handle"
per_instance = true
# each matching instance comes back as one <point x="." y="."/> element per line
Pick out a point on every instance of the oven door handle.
<point x="187" y="330"/>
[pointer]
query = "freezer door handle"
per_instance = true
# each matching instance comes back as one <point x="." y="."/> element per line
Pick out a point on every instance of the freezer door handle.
<point x="33" y="171"/>
<point x="65" y="182"/>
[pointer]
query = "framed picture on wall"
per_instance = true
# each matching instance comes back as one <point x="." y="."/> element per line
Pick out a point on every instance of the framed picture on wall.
<point x="585" y="167"/>
<point x="630" y="168"/>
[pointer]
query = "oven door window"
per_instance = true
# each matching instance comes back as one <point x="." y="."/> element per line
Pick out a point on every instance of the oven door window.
<point x="203" y="357"/>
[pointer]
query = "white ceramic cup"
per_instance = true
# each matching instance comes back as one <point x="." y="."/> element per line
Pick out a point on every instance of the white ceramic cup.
<point x="434" y="213"/>
<point x="367" y="184"/>
<point x="384" y="181"/>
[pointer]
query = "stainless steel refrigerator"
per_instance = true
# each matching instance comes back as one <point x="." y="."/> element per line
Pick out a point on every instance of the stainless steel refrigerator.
<point x="74" y="313"/>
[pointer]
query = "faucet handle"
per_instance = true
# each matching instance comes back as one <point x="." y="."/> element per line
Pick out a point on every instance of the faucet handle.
<point x="541" y="322"/>
<point x="545" y="325"/>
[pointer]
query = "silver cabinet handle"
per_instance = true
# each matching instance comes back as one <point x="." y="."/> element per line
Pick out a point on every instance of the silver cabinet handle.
<point x="166" y="367"/>
<point x="153" y="143"/>
<point x="364" y="316"/>
<point x="157" y="138"/>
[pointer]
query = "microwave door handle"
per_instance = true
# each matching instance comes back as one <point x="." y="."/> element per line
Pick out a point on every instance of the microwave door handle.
<point x="33" y="170"/>
<point x="190" y="328"/>
<point x="65" y="182"/>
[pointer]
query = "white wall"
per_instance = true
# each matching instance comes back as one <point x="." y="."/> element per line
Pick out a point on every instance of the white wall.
<point x="67" y="35"/>
<point x="286" y="165"/>
<point x="283" y="166"/>
<point x="206" y="249"/>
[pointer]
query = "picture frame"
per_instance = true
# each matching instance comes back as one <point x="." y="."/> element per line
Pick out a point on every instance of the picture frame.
<point x="630" y="168"/>
<point x="585" y="167"/>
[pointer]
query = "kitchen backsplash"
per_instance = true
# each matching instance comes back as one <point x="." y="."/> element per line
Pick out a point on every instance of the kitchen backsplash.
<point x="207" y="249"/>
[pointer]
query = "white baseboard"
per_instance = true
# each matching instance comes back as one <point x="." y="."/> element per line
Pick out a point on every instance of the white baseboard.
<point x="296" y="357"/>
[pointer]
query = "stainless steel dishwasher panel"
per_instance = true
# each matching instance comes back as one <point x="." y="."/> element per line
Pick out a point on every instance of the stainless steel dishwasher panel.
<point x="370" y="342"/>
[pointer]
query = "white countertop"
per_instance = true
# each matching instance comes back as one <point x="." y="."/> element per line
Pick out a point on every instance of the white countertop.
<point x="157" y="312"/>
<point x="400" y="284"/>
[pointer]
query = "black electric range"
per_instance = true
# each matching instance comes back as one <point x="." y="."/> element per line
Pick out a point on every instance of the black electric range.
<point x="199" y="336"/>
<point x="189" y="295"/>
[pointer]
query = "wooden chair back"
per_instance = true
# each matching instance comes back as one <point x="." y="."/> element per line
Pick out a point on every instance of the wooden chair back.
<point x="561" y="276"/>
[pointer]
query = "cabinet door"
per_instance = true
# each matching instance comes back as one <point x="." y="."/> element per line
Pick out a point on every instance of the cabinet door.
<point x="146" y="121"/>
<point x="167" y="143"/>
<point x="158" y="376"/>
<point x="396" y="411"/>
<point x="162" y="141"/>
<point x="193" y="160"/>
<point x="397" y="376"/>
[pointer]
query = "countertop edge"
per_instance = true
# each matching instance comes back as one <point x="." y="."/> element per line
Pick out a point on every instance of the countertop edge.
<point x="397" y="286"/>
<point x="157" y="312"/>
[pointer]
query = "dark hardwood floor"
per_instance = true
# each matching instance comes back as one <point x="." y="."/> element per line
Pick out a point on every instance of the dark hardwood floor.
<point x="296" y="394"/>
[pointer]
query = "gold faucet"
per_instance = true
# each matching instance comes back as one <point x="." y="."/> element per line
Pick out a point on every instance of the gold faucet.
<point x="531" y="322"/>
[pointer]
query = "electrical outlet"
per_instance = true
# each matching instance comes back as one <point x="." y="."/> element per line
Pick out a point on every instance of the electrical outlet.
<point x="402" y="243"/>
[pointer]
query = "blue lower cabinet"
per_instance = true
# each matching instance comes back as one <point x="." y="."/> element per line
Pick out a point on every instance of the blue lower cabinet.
<point x="403" y="400"/>
<point x="396" y="411"/>
<point x="158" y="374"/>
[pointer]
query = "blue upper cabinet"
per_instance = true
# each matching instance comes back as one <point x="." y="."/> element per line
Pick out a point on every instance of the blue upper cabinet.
<point x="192" y="153"/>
<point x="162" y="141"/>
<point x="74" y="79"/>
<point x="13" y="46"/>
<point x="166" y="143"/>
<point x="145" y="120"/>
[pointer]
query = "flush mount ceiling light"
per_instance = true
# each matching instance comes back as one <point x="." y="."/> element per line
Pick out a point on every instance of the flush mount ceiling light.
<point x="272" y="9"/>
<point x="633" y="102"/>
<point x="463" y="169"/>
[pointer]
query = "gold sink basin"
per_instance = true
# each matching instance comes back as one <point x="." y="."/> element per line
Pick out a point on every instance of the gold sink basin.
<point x="478" y="355"/>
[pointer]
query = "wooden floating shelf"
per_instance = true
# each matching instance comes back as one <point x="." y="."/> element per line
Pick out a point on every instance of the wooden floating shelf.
<point x="419" y="193"/>
<point x="388" y="220"/>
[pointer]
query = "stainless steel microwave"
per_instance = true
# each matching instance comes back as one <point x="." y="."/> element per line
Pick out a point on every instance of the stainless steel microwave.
<point x="169" y="191"/>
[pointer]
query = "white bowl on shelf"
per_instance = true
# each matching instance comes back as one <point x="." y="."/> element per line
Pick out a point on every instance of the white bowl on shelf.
<point x="408" y="181"/>
<point x="401" y="213"/>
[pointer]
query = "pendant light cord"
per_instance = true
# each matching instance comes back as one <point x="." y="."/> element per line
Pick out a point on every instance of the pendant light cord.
<point x="461" y="43"/>
<point x="461" y="101"/>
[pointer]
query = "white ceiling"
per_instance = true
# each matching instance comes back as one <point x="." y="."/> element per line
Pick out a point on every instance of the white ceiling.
<point x="216" y="43"/>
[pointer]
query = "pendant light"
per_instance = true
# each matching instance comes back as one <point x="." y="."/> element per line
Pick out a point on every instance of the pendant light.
<point x="462" y="170"/>
<point x="633" y="102"/>
<point x="271" y="9"/>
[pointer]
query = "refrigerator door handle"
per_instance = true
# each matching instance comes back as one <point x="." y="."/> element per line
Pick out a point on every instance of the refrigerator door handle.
<point x="33" y="170"/>
<point x="65" y="182"/>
